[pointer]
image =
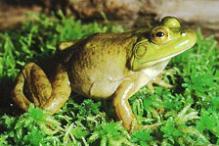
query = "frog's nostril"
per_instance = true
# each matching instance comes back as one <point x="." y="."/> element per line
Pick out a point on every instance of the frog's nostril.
<point x="183" y="31"/>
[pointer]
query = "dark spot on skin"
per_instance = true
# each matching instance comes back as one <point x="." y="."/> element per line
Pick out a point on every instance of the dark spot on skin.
<point x="19" y="90"/>
<point x="91" y="45"/>
<point x="58" y="85"/>
<point x="148" y="35"/>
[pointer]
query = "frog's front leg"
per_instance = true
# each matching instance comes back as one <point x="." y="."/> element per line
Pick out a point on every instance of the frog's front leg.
<point x="122" y="106"/>
<point x="39" y="90"/>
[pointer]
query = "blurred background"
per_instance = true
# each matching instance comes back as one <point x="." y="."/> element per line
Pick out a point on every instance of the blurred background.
<point x="129" y="13"/>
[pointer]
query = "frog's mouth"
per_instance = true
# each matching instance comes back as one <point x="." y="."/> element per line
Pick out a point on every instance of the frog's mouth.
<point x="165" y="58"/>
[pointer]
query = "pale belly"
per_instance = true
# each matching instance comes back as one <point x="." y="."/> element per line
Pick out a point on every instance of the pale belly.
<point x="105" y="86"/>
<point x="99" y="89"/>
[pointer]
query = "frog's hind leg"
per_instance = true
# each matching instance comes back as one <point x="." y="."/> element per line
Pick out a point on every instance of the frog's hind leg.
<point x="39" y="90"/>
<point x="18" y="93"/>
<point x="61" y="91"/>
<point x="31" y="86"/>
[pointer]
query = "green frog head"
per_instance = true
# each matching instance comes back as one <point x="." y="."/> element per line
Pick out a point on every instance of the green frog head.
<point x="163" y="42"/>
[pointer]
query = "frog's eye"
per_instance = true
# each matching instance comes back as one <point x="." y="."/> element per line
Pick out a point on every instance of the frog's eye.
<point x="171" y="22"/>
<point x="159" y="35"/>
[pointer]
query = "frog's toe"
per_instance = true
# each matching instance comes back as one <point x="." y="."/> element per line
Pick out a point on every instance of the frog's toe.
<point x="158" y="81"/>
<point x="135" y="126"/>
<point x="163" y="83"/>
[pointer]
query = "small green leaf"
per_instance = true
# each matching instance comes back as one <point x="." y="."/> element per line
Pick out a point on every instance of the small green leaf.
<point x="142" y="137"/>
<point x="79" y="132"/>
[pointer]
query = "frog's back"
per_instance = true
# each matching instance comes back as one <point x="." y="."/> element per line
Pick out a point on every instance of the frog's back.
<point x="97" y="66"/>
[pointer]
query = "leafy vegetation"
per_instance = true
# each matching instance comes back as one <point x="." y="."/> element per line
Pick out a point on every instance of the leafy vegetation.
<point x="187" y="114"/>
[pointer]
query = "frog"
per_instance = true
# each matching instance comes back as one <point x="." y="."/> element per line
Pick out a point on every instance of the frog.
<point x="105" y="66"/>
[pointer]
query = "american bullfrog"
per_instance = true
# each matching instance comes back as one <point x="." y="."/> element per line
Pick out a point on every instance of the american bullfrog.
<point x="105" y="65"/>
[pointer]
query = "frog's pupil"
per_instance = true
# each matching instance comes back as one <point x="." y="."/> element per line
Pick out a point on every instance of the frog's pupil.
<point x="159" y="34"/>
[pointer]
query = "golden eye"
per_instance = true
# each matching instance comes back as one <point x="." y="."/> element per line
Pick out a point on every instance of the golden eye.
<point x="159" y="36"/>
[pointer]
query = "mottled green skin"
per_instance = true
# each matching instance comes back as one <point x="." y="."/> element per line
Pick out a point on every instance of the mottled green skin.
<point x="107" y="65"/>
